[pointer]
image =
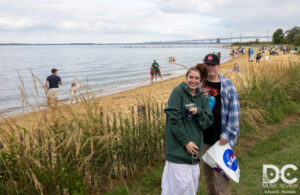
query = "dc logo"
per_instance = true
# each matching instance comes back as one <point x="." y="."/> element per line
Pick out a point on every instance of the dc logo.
<point x="278" y="174"/>
<point x="230" y="160"/>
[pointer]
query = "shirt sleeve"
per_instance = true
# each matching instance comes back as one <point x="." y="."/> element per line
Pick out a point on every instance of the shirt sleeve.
<point x="204" y="115"/>
<point x="174" y="116"/>
<point x="231" y="129"/>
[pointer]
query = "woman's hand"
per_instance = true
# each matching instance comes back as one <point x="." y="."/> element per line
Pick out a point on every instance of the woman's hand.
<point x="192" y="148"/>
<point x="193" y="110"/>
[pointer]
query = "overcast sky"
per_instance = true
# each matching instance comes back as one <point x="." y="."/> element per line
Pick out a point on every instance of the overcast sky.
<point x="125" y="21"/>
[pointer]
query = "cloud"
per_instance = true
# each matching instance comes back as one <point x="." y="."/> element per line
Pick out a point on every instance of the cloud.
<point x="138" y="21"/>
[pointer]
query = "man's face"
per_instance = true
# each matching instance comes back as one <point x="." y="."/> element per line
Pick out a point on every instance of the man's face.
<point x="212" y="70"/>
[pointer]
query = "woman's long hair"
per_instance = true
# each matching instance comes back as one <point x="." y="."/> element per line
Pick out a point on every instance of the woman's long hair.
<point x="203" y="72"/>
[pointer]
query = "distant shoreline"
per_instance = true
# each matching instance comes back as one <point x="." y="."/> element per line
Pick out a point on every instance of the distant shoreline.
<point x="152" y="43"/>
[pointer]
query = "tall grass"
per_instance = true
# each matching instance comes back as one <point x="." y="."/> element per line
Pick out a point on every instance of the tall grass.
<point x="264" y="92"/>
<point x="78" y="151"/>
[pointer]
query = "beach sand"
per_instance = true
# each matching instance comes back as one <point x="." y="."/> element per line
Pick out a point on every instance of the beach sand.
<point x="161" y="91"/>
<point x="158" y="91"/>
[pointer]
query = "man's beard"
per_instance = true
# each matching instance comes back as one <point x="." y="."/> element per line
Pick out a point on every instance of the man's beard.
<point x="211" y="74"/>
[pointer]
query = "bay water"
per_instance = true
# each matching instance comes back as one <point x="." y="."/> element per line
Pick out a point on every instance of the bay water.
<point x="107" y="68"/>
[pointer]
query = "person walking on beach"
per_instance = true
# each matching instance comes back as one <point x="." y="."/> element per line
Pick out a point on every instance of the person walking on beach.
<point x="219" y="55"/>
<point x="258" y="56"/>
<point x="225" y="127"/>
<point x="156" y="69"/>
<point x="151" y="74"/>
<point x="52" y="90"/>
<point x="188" y="114"/>
<point x="249" y="54"/>
<point x="73" y="93"/>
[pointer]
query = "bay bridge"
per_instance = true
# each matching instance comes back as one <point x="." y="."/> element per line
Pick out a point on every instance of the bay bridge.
<point x="224" y="40"/>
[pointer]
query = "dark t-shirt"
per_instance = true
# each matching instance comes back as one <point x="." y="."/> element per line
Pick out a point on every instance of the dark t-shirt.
<point x="155" y="66"/>
<point x="53" y="81"/>
<point x="212" y="134"/>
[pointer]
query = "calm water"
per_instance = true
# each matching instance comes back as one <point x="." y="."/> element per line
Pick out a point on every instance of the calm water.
<point x="108" y="68"/>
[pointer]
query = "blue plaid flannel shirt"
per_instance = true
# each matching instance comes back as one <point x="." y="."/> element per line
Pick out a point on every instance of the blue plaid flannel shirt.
<point x="230" y="111"/>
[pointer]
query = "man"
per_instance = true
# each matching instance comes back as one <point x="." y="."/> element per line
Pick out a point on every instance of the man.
<point x="53" y="80"/>
<point x="225" y="128"/>
<point x="156" y="69"/>
<point x="258" y="56"/>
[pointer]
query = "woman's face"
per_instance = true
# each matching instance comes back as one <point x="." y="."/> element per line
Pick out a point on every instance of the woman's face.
<point x="193" y="80"/>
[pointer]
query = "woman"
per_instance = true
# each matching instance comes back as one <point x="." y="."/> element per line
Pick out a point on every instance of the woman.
<point x="184" y="136"/>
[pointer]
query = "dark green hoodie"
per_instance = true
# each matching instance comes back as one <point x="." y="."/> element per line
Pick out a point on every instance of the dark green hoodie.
<point x="179" y="130"/>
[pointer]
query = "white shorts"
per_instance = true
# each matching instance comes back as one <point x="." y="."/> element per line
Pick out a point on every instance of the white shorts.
<point x="73" y="97"/>
<point x="251" y="57"/>
<point x="180" y="179"/>
<point x="53" y="93"/>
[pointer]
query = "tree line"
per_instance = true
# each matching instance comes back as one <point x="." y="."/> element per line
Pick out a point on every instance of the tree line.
<point x="291" y="36"/>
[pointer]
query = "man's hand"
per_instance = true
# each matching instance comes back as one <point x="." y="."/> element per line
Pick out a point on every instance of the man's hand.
<point x="192" y="148"/>
<point x="222" y="141"/>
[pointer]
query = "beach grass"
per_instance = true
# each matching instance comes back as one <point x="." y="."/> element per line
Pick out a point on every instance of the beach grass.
<point x="78" y="151"/>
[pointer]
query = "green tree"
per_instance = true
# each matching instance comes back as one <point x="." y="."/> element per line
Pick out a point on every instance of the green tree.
<point x="297" y="39"/>
<point x="290" y="35"/>
<point x="278" y="36"/>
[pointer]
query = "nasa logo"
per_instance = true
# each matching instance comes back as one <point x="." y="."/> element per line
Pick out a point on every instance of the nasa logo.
<point x="230" y="160"/>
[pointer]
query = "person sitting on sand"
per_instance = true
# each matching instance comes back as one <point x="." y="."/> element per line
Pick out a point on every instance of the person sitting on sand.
<point x="236" y="67"/>
<point x="73" y="93"/>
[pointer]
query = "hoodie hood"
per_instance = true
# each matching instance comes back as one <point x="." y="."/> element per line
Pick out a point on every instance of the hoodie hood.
<point x="185" y="88"/>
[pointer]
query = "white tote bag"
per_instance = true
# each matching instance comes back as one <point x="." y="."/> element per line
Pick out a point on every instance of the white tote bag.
<point x="222" y="159"/>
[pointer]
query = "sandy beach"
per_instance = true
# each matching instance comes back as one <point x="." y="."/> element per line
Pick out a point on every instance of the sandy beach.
<point x="159" y="91"/>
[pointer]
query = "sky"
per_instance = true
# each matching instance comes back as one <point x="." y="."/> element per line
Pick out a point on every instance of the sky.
<point x="131" y="21"/>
